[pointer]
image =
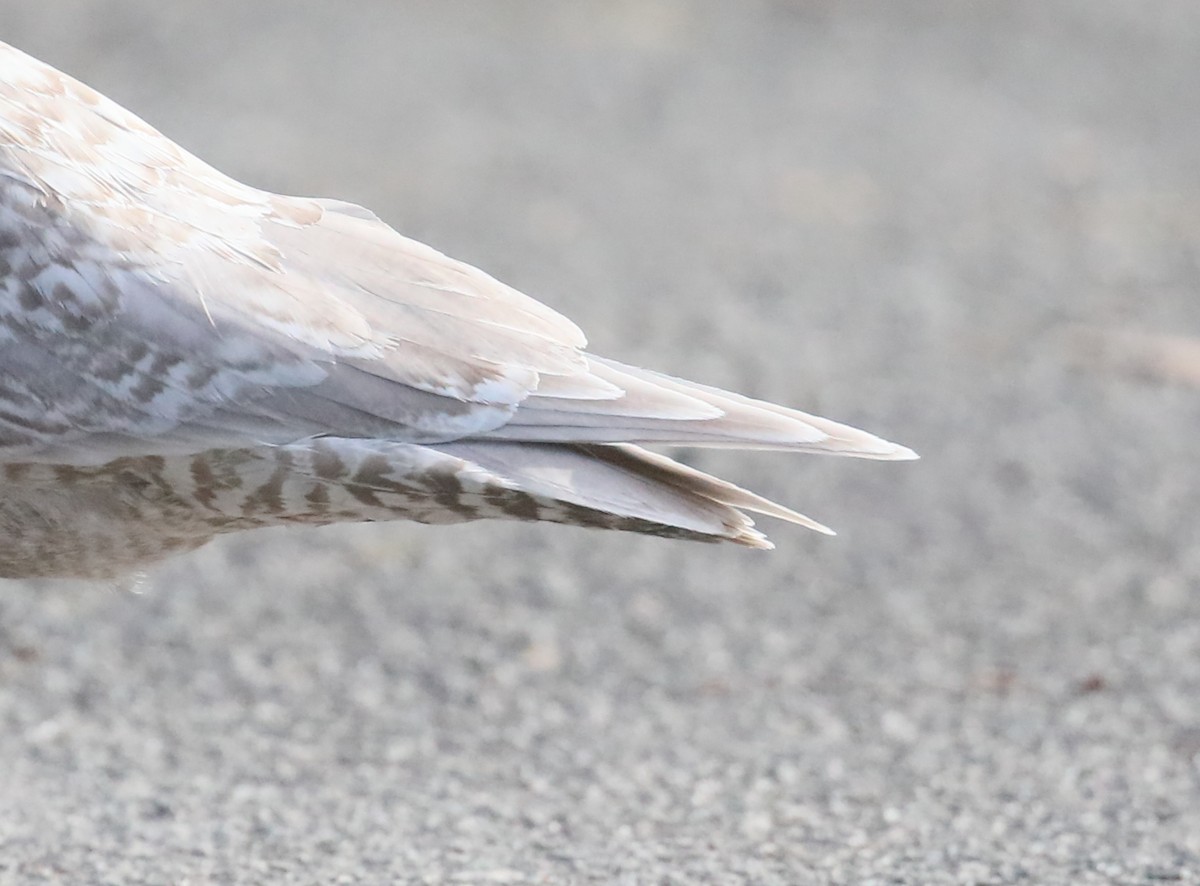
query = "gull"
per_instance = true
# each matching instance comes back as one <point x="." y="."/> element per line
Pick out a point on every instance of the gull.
<point x="184" y="356"/>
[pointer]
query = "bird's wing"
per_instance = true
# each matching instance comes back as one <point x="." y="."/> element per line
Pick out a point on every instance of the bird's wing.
<point x="151" y="305"/>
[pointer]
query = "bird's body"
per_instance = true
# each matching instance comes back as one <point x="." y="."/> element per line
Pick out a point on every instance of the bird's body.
<point x="182" y="355"/>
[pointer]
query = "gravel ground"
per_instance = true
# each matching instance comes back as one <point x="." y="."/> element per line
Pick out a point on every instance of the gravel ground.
<point x="888" y="212"/>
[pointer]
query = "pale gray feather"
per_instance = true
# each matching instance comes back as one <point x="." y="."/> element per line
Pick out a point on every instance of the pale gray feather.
<point x="182" y="355"/>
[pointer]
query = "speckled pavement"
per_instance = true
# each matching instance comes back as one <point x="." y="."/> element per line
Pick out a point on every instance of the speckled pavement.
<point x="892" y="214"/>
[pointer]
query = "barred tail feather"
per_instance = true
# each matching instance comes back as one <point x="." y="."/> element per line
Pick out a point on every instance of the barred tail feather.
<point x="626" y="487"/>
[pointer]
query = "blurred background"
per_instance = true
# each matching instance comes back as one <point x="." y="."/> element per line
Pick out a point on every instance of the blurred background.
<point x="959" y="225"/>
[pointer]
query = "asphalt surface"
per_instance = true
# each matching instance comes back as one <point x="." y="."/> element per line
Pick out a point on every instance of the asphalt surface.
<point x="891" y="213"/>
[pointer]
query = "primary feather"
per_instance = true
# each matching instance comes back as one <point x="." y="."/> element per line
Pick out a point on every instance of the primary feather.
<point x="182" y="355"/>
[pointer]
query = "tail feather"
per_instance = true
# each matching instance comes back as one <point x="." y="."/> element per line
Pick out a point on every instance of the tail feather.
<point x="626" y="487"/>
<point x="567" y="455"/>
<point x="667" y="470"/>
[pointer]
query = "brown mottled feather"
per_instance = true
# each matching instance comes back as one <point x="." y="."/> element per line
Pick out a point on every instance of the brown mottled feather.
<point x="182" y="356"/>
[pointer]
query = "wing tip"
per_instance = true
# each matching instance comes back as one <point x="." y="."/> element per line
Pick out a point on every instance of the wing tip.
<point x="901" y="453"/>
<point x="865" y="445"/>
